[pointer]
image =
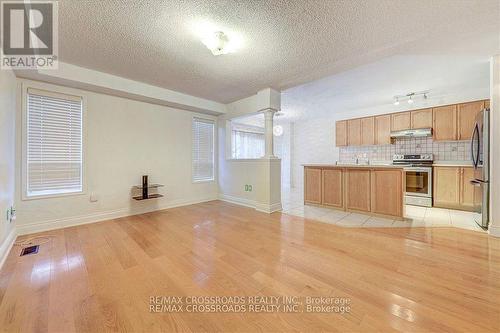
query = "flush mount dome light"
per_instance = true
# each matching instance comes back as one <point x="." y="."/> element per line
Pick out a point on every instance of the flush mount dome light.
<point x="278" y="130"/>
<point x="217" y="43"/>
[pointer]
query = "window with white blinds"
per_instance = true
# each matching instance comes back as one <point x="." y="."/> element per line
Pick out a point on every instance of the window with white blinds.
<point x="53" y="157"/>
<point x="203" y="149"/>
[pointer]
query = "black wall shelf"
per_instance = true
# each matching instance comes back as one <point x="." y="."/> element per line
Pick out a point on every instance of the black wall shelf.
<point x="144" y="188"/>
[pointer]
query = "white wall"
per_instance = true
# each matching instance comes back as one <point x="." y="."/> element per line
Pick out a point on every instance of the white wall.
<point x="494" y="228"/>
<point x="124" y="140"/>
<point x="314" y="138"/>
<point x="7" y="135"/>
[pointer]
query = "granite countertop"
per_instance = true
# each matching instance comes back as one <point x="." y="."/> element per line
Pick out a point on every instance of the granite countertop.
<point x="361" y="166"/>
<point x="452" y="163"/>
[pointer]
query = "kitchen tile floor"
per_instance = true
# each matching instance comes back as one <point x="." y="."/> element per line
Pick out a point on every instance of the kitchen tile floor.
<point x="293" y="204"/>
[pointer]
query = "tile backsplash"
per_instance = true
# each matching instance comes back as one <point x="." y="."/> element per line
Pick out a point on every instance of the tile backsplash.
<point x="443" y="151"/>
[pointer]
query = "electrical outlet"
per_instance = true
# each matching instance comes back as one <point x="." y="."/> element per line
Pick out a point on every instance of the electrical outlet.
<point x="249" y="188"/>
<point x="246" y="188"/>
<point x="94" y="197"/>
<point x="11" y="214"/>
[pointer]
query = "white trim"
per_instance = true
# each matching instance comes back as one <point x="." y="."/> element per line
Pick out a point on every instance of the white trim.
<point x="237" y="200"/>
<point x="6" y="246"/>
<point x="494" y="230"/>
<point x="101" y="216"/>
<point x="276" y="207"/>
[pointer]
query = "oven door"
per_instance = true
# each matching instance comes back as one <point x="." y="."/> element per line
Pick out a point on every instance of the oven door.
<point x="418" y="181"/>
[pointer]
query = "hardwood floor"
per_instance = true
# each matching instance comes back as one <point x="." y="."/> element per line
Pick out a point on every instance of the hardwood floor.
<point x="100" y="277"/>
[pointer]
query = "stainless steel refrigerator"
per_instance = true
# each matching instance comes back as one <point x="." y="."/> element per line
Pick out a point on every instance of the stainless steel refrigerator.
<point x="480" y="149"/>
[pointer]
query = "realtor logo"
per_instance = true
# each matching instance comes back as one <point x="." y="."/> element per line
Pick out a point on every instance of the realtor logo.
<point x="29" y="35"/>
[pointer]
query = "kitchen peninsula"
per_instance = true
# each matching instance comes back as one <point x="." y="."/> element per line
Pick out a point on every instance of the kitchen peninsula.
<point x="369" y="189"/>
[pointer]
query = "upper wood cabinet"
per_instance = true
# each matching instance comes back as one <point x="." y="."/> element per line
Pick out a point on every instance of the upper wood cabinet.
<point x="487" y="103"/>
<point x="383" y="130"/>
<point x="312" y="185"/>
<point x="467" y="113"/>
<point x="358" y="189"/>
<point x="387" y="192"/>
<point x="368" y="131"/>
<point x="421" y="118"/>
<point x="341" y="133"/>
<point x="333" y="191"/>
<point x="444" y="123"/>
<point x="354" y="132"/>
<point x="400" y="121"/>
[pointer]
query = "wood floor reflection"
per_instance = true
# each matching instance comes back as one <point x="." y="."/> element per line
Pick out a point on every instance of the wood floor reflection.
<point x="100" y="277"/>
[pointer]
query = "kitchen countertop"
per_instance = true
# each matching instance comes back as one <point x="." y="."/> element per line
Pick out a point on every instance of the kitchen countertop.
<point x="360" y="166"/>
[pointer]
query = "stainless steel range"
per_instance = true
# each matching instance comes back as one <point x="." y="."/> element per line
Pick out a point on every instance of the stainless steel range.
<point x="418" y="173"/>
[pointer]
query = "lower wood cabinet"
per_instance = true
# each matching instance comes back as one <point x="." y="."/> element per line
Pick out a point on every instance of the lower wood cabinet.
<point x="386" y="192"/>
<point x="358" y="189"/>
<point x="372" y="190"/>
<point x="312" y="185"/>
<point x="333" y="187"/>
<point x="452" y="188"/>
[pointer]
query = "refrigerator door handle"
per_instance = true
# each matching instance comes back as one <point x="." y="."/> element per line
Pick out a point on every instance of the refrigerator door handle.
<point x="475" y="161"/>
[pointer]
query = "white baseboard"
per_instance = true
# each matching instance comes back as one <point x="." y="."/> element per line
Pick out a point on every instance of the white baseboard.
<point x="237" y="200"/>
<point x="276" y="207"/>
<point x="100" y="216"/>
<point x="6" y="246"/>
<point x="494" y="230"/>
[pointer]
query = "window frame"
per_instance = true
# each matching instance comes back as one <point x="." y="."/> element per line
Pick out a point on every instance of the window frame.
<point x="54" y="91"/>
<point x="214" y="156"/>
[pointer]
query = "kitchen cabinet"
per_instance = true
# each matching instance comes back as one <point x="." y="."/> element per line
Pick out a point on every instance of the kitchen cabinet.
<point x="332" y="185"/>
<point x="467" y="113"/>
<point x="421" y="118"/>
<point x="367" y="131"/>
<point x="341" y="133"/>
<point x="452" y="188"/>
<point x="387" y="192"/>
<point x="354" y="132"/>
<point x="487" y="104"/>
<point x="383" y="130"/>
<point x="444" y="123"/>
<point x="358" y="189"/>
<point x="466" y="188"/>
<point x="400" y="121"/>
<point x="312" y="185"/>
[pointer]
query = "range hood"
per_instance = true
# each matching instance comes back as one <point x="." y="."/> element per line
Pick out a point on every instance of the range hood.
<point x="413" y="133"/>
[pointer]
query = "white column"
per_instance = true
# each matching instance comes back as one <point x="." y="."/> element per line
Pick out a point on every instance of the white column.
<point x="269" y="114"/>
<point x="494" y="227"/>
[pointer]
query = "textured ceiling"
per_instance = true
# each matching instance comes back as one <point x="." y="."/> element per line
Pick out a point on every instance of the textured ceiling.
<point x="285" y="42"/>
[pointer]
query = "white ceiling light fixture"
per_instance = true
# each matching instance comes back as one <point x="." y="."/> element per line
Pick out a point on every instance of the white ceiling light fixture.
<point x="278" y="130"/>
<point x="217" y="43"/>
<point x="410" y="97"/>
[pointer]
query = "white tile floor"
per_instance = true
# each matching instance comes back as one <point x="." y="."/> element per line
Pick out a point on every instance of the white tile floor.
<point x="293" y="204"/>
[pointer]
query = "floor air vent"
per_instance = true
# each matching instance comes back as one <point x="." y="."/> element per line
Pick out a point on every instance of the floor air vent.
<point x="30" y="250"/>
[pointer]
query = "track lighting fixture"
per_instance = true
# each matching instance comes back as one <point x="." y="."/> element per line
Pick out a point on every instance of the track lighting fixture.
<point x="410" y="97"/>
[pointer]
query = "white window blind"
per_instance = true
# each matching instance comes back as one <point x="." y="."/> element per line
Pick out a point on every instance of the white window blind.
<point x="54" y="143"/>
<point x="203" y="149"/>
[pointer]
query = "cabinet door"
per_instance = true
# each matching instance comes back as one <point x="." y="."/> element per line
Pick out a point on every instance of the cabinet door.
<point x="312" y="185"/>
<point x="341" y="133"/>
<point x="421" y="118"/>
<point x="387" y="192"/>
<point x="467" y="113"/>
<point x="354" y="132"/>
<point x="332" y="187"/>
<point x="368" y="131"/>
<point x="444" y="123"/>
<point x="358" y="189"/>
<point x="466" y="188"/>
<point x="400" y="121"/>
<point x="383" y="130"/>
<point x="446" y="186"/>
<point x="487" y="103"/>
